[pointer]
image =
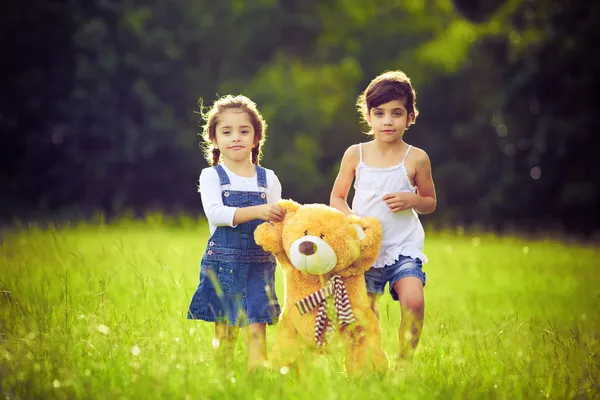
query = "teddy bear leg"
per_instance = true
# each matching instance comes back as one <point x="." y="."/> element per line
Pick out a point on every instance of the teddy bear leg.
<point x="364" y="352"/>
<point x="287" y="348"/>
<point x="377" y="358"/>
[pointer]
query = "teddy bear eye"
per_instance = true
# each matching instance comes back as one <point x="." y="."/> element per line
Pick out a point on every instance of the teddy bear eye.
<point x="305" y="233"/>
<point x="321" y="236"/>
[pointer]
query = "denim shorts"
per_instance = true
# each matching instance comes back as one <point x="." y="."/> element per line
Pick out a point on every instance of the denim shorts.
<point x="377" y="278"/>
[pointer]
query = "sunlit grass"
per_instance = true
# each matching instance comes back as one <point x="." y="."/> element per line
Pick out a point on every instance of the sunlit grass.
<point x="99" y="311"/>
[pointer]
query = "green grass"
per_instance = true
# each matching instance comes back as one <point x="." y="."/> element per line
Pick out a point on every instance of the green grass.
<point x="99" y="311"/>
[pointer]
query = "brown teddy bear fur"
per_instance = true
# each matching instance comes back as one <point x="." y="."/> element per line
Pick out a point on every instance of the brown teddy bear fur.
<point x="295" y="332"/>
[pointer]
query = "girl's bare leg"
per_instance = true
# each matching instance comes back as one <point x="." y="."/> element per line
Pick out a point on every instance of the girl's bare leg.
<point x="256" y="340"/>
<point x="373" y="297"/>
<point x="412" y="305"/>
<point x="224" y="342"/>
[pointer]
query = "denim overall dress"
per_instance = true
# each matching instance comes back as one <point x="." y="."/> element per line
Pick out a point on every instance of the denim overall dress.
<point x="237" y="277"/>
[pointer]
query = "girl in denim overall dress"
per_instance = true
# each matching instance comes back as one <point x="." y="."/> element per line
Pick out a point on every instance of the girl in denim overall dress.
<point x="393" y="183"/>
<point x="237" y="277"/>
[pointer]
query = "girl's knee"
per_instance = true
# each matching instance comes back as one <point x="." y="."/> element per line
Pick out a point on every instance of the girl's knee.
<point x="224" y="332"/>
<point x="414" y="304"/>
<point x="256" y="332"/>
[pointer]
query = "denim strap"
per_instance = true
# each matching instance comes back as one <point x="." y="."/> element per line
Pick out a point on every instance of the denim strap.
<point x="261" y="173"/>
<point x="223" y="178"/>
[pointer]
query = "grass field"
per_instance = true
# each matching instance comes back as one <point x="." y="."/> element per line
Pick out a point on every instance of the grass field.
<point x="99" y="311"/>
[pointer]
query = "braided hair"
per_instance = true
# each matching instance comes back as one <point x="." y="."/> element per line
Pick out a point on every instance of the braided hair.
<point x="211" y="118"/>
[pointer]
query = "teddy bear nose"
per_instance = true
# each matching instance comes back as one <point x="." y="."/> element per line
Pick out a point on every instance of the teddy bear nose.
<point x="307" y="248"/>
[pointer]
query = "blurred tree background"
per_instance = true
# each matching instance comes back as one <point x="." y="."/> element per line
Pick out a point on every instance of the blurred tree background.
<point x="97" y="100"/>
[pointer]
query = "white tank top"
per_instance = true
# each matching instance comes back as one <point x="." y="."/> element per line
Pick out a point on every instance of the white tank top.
<point x="402" y="231"/>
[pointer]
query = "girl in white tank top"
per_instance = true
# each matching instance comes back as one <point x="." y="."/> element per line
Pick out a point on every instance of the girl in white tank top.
<point x="393" y="182"/>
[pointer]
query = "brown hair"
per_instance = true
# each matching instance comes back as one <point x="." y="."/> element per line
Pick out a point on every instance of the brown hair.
<point x="391" y="85"/>
<point x="211" y="118"/>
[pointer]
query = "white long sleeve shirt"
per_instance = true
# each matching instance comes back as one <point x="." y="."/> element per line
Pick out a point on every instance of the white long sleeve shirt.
<point x="210" y="191"/>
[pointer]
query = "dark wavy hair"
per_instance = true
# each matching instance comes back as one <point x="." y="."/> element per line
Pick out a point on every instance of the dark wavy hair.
<point x="391" y="85"/>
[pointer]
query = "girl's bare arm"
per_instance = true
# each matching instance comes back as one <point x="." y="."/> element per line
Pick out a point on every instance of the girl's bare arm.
<point x="427" y="200"/>
<point x="343" y="181"/>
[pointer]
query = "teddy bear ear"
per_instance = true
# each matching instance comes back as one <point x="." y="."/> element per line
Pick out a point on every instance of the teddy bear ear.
<point x="289" y="206"/>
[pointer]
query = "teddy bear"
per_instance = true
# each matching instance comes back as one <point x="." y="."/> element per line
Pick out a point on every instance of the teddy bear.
<point x="324" y="255"/>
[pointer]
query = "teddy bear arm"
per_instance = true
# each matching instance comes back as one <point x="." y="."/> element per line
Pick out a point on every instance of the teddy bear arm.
<point x="370" y="245"/>
<point x="268" y="236"/>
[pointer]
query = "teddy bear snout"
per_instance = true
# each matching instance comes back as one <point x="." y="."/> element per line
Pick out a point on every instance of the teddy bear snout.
<point x="312" y="255"/>
<point x="307" y="248"/>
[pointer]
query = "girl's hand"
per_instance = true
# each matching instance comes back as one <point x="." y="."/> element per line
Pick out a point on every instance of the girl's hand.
<point x="400" y="201"/>
<point x="271" y="212"/>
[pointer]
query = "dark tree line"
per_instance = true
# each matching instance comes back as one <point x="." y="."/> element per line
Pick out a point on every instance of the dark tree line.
<point x="97" y="101"/>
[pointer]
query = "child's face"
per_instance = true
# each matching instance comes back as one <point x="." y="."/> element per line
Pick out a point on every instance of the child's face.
<point x="234" y="135"/>
<point x="389" y="120"/>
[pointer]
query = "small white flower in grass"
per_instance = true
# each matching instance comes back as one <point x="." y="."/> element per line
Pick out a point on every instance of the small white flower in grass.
<point x="177" y="339"/>
<point x="216" y="343"/>
<point x="56" y="383"/>
<point x="81" y="316"/>
<point x="476" y="241"/>
<point x="233" y="379"/>
<point x="284" y="370"/>
<point x="135" y="350"/>
<point x="525" y="249"/>
<point x="103" y="329"/>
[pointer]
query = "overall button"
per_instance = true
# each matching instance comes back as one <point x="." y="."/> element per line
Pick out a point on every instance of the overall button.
<point x="226" y="193"/>
<point x="263" y="195"/>
<point x="209" y="252"/>
<point x="211" y="243"/>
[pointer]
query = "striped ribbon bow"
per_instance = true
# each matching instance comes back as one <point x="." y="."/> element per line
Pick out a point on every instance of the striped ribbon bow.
<point x="323" y="323"/>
